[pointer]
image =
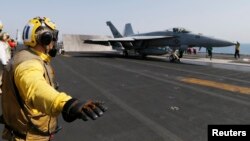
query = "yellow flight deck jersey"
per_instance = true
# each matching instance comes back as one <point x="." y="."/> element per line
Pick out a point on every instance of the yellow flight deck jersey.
<point x="33" y="88"/>
<point x="34" y="80"/>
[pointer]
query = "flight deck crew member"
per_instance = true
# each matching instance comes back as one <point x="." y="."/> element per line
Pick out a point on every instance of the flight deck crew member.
<point x="30" y="103"/>
<point x="3" y="57"/>
<point x="210" y="52"/>
<point x="4" y="38"/>
<point x="237" y="50"/>
<point x="1" y="27"/>
<point x="12" y="43"/>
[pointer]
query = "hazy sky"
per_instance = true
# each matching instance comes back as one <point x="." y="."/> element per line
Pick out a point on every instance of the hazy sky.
<point x="226" y="19"/>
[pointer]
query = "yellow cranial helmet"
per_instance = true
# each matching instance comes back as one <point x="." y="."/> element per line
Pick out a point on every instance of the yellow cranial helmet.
<point x="30" y="37"/>
<point x="1" y="26"/>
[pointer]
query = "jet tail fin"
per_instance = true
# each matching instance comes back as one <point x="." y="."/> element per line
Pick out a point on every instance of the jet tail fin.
<point x="128" y="30"/>
<point x="113" y="29"/>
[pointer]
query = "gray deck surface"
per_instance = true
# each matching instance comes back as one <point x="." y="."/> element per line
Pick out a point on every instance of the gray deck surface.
<point x="146" y="99"/>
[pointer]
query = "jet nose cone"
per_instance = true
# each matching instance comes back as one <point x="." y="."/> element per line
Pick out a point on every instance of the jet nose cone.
<point x="224" y="43"/>
<point x="230" y="43"/>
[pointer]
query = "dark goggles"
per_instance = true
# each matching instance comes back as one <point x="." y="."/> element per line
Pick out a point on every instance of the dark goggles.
<point x="55" y="35"/>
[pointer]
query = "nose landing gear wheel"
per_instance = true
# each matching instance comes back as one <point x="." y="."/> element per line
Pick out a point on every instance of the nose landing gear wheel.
<point x="173" y="59"/>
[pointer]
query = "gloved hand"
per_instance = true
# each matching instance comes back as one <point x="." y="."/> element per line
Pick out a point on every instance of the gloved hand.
<point x="74" y="109"/>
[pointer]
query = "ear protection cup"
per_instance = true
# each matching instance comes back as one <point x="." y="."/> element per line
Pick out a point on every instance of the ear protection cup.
<point x="45" y="38"/>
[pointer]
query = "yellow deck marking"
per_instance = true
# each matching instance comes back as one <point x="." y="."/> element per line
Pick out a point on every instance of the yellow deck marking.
<point x="218" y="85"/>
<point x="66" y="55"/>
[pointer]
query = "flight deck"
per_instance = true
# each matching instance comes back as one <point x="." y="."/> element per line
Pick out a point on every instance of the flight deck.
<point x="152" y="99"/>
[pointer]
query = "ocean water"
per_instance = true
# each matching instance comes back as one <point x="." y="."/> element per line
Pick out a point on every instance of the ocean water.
<point x="244" y="49"/>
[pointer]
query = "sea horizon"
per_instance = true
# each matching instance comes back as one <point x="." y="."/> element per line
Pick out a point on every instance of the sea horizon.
<point x="244" y="49"/>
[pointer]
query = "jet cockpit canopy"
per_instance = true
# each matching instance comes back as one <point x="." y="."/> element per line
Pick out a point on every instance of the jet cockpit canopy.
<point x="180" y="30"/>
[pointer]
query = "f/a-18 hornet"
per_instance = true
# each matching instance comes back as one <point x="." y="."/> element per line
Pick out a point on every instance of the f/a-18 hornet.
<point x="154" y="43"/>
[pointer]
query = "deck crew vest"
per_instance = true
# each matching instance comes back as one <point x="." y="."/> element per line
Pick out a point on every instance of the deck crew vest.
<point x="18" y="118"/>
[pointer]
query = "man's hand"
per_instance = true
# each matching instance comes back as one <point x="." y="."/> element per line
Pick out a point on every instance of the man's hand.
<point x="74" y="109"/>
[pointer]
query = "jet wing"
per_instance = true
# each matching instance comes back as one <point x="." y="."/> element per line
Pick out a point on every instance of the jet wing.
<point x="137" y="38"/>
<point x="125" y="39"/>
<point x="130" y="39"/>
<point x="109" y="41"/>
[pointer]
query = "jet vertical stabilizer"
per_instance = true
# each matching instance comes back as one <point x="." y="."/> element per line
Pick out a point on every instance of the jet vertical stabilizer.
<point x="128" y="30"/>
<point x="114" y="31"/>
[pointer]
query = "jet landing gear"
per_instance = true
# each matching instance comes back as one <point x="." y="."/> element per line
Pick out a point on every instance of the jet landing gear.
<point x="176" y="55"/>
<point x="174" y="58"/>
<point x="125" y="53"/>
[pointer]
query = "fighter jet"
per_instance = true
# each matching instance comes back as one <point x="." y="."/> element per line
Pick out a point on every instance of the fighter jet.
<point x="155" y="43"/>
